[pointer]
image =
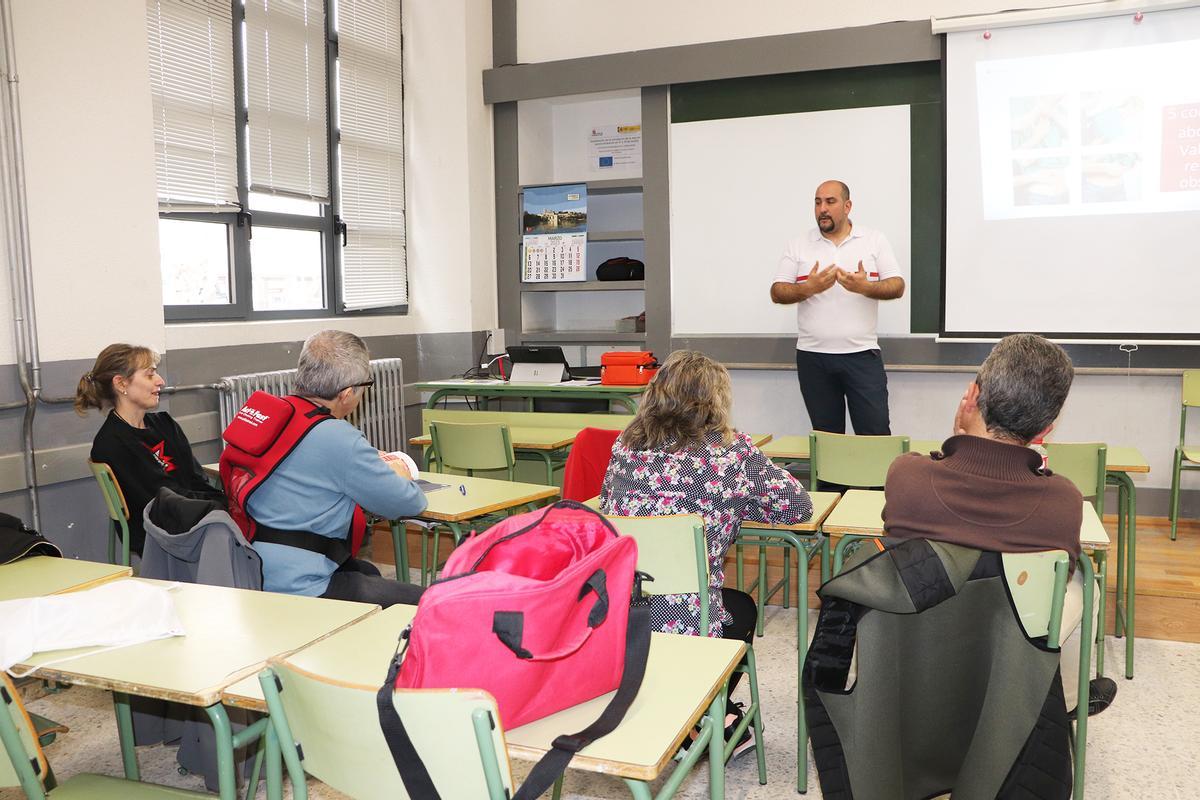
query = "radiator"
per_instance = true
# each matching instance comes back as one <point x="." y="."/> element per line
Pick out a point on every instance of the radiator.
<point x="380" y="415"/>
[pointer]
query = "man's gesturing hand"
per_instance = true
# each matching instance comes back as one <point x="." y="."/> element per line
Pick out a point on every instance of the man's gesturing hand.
<point x="856" y="282"/>
<point x="821" y="279"/>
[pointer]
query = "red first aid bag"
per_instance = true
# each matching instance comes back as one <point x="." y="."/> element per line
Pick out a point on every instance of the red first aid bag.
<point x="627" y="368"/>
<point x="544" y="611"/>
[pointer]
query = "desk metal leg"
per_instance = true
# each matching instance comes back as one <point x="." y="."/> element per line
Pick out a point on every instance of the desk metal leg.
<point x="639" y="789"/>
<point x="716" y="745"/>
<point x="1130" y="568"/>
<point x="1101" y="559"/>
<point x="125" y="735"/>
<point x="274" y="766"/>
<point x="400" y="548"/>
<point x="801" y="654"/>
<point x="225" y="759"/>
<point x="763" y="591"/>
<point x="1085" y="672"/>
<point x="1126" y="597"/>
<point x="1118" y="622"/>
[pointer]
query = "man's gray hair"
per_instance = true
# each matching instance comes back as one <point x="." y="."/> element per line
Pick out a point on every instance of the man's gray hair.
<point x="1023" y="384"/>
<point x="329" y="362"/>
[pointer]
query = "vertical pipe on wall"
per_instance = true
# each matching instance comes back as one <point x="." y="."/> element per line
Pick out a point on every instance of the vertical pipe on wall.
<point x="16" y="220"/>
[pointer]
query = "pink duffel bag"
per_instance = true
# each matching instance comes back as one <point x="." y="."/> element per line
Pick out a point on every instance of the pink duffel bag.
<point x="544" y="611"/>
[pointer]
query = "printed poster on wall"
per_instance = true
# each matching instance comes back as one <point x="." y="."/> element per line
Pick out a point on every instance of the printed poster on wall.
<point x="615" y="146"/>
<point x="554" y="228"/>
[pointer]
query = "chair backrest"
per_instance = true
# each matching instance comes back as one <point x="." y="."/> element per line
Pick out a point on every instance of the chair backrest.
<point x="1191" y="387"/>
<point x="24" y="764"/>
<point x="118" y="509"/>
<point x="583" y="476"/>
<point x="1038" y="582"/>
<point x="1191" y="398"/>
<point x="851" y="460"/>
<point x="672" y="550"/>
<point x="1084" y="463"/>
<point x="114" y="498"/>
<point x="470" y="447"/>
<point x="336" y="726"/>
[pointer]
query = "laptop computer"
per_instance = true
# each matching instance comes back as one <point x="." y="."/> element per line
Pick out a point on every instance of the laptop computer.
<point x="537" y="364"/>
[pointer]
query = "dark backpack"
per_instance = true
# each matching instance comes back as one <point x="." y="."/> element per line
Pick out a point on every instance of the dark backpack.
<point x="18" y="541"/>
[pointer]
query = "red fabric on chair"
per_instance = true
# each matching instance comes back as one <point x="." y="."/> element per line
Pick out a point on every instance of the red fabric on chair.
<point x="587" y="463"/>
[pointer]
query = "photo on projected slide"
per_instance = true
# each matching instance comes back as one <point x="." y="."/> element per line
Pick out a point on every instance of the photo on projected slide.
<point x="1084" y="133"/>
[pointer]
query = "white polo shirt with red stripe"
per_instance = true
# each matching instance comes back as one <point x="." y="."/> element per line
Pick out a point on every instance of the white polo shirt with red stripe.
<point x="838" y="321"/>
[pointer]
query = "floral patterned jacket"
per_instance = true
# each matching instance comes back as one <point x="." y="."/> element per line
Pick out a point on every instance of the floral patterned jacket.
<point x="724" y="484"/>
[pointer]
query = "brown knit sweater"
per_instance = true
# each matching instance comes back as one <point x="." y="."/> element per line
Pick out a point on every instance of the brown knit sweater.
<point x="984" y="494"/>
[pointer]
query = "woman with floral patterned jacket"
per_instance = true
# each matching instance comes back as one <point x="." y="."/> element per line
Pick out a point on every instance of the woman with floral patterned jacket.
<point x="680" y="455"/>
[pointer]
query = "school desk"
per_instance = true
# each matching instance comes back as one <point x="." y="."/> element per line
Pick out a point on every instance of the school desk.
<point x="230" y="634"/>
<point x="582" y="390"/>
<point x="685" y="680"/>
<point x="44" y="575"/>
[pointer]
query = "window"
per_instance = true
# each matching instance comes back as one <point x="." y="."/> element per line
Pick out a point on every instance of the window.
<point x="279" y="151"/>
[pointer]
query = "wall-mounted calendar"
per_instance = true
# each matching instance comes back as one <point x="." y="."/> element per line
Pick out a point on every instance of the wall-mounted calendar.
<point x="554" y="228"/>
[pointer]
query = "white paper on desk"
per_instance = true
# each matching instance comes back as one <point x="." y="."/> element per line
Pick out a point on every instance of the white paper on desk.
<point x="117" y="614"/>
<point x="468" y="382"/>
<point x="578" y="382"/>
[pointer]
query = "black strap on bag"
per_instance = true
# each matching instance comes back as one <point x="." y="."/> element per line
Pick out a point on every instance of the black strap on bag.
<point x="415" y="776"/>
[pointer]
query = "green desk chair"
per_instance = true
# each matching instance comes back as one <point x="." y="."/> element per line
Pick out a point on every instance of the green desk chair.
<point x="467" y="447"/>
<point x="859" y="462"/>
<point x="1038" y="583"/>
<point x="1187" y="456"/>
<point x="472" y="446"/>
<point x="329" y="729"/>
<point x="118" y="511"/>
<point x="25" y="764"/>
<point x="1085" y="463"/>
<point x="673" y="550"/>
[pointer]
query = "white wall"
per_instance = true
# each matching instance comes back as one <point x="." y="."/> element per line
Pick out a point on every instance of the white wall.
<point x="549" y="30"/>
<point x="89" y="163"/>
<point x="89" y="166"/>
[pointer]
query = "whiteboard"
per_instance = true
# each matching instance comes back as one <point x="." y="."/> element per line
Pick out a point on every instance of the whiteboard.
<point x="742" y="188"/>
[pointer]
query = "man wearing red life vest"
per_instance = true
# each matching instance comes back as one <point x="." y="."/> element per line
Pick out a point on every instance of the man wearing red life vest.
<point x="329" y="475"/>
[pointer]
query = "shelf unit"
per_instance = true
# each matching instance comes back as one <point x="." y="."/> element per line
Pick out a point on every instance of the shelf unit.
<point x="580" y="337"/>
<point x="585" y="286"/>
<point x="552" y="148"/>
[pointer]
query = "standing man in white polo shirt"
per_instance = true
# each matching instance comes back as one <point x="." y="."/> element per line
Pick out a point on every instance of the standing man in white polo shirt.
<point x="836" y="275"/>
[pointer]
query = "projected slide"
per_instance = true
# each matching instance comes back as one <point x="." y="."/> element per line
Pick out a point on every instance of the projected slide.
<point x="1100" y="132"/>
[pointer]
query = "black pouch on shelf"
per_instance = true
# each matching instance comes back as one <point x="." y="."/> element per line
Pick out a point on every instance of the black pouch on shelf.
<point x="621" y="268"/>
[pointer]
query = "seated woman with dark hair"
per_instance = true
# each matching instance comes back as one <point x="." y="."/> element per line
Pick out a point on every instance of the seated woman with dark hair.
<point x="145" y="449"/>
<point x="680" y="455"/>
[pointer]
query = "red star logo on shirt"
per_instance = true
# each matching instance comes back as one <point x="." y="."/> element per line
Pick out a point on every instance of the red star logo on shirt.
<point x="165" y="461"/>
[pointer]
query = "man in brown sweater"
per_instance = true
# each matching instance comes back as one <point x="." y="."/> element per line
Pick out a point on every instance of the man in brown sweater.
<point x="986" y="488"/>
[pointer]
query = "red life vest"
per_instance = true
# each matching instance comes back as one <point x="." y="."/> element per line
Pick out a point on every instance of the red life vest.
<point x="262" y="434"/>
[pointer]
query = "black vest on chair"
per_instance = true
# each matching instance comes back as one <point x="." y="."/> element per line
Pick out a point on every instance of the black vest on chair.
<point x="950" y="694"/>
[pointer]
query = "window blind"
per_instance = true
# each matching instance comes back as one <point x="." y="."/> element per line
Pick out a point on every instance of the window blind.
<point x="191" y="82"/>
<point x="285" y="69"/>
<point x="371" y="123"/>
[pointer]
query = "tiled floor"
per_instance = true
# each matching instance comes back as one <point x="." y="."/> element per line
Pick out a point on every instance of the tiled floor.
<point x="1142" y="747"/>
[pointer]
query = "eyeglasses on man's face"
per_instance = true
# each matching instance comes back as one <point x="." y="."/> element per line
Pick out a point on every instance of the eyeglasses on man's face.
<point x="368" y="383"/>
